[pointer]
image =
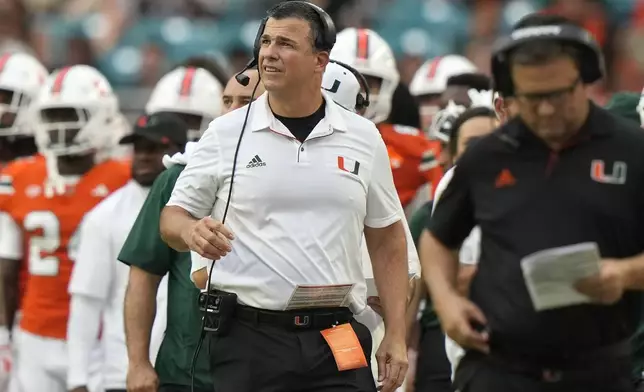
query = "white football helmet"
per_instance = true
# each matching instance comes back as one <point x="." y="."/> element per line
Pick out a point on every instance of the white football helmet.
<point x="431" y="78"/>
<point x="76" y="113"/>
<point x="192" y="93"/>
<point x="342" y="85"/>
<point x="21" y="77"/>
<point x="369" y="54"/>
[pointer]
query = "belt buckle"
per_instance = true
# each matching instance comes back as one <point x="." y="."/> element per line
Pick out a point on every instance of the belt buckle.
<point x="302" y="320"/>
<point x="550" y="375"/>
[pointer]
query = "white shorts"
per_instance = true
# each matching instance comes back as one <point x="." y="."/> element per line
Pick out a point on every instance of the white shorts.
<point x="42" y="365"/>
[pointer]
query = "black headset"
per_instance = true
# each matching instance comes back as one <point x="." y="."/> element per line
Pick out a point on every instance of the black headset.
<point x="362" y="101"/>
<point x="324" y="42"/>
<point x="591" y="61"/>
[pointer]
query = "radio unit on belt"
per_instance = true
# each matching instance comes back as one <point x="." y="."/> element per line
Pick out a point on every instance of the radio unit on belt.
<point x="218" y="310"/>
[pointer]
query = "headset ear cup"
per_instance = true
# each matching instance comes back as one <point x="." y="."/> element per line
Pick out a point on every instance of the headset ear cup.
<point x="258" y="38"/>
<point x="359" y="102"/>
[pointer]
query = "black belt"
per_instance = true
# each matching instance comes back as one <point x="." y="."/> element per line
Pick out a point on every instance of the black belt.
<point x="301" y="319"/>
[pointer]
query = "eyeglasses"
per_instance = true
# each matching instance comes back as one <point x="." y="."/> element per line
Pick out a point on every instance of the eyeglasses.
<point x="554" y="97"/>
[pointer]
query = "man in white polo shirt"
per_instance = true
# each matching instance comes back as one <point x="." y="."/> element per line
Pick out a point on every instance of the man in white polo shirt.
<point x="309" y="179"/>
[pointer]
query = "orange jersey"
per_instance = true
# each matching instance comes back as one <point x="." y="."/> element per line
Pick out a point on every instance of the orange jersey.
<point x="49" y="229"/>
<point x="413" y="160"/>
<point x="9" y="171"/>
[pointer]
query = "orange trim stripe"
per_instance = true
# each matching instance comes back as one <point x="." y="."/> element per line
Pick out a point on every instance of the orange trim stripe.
<point x="186" y="84"/>
<point x="362" y="48"/>
<point x="433" y="67"/>
<point x="3" y="61"/>
<point x="58" y="82"/>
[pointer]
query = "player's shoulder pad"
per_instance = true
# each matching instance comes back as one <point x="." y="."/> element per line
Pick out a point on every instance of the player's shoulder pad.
<point x="408" y="140"/>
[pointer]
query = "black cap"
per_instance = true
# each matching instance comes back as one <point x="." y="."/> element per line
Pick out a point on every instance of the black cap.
<point x="164" y="128"/>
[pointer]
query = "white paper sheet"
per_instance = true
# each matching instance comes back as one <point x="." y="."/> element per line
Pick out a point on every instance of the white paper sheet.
<point x="332" y="296"/>
<point x="550" y="274"/>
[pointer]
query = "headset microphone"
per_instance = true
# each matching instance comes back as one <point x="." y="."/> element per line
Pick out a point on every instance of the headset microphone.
<point x="244" y="79"/>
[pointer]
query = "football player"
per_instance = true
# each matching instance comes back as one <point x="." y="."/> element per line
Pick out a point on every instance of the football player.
<point x="191" y="93"/>
<point x="412" y="156"/>
<point x="77" y="122"/>
<point x="430" y="81"/>
<point x="21" y="77"/>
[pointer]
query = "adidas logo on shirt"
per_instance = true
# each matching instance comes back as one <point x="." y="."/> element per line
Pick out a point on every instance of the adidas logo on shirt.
<point x="255" y="162"/>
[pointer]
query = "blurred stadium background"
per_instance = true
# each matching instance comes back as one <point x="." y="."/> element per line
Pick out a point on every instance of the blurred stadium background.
<point x="133" y="42"/>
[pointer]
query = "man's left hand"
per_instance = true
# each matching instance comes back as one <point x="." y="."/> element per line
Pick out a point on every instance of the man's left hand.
<point x="606" y="287"/>
<point x="392" y="362"/>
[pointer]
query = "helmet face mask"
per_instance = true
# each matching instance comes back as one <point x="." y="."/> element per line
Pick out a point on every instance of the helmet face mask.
<point x="441" y="127"/>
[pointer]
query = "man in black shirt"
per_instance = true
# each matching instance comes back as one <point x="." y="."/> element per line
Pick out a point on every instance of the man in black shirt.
<point x="562" y="172"/>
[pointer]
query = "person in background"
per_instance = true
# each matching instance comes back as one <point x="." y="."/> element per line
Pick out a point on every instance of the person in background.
<point x="628" y="105"/>
<point x="21" y="78"/>
<point x="98" y="281"/>
<point x="430" y="81"/>
<point x="235" y="95"/>
<point x="412" y="157"/>
<point x="50" y="194"/>
<point x="454" y="99"/>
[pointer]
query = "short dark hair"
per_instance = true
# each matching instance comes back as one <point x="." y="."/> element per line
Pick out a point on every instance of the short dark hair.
<point x="404" y="108"/>
<point x="209" y="64"/>
<point x="479" y="111"/>
<point x="288" y="9"/>
<point x="477" y="81"/>
<point x="543" y="51"/>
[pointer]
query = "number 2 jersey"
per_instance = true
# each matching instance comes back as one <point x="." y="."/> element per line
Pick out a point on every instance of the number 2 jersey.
<point x="413" y="160"/>
<point x="42" y="233"/>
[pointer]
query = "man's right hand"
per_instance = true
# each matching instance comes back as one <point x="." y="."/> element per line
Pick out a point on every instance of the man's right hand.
<point x="142" y="378"/>
<point x="209" y="238"/>
<point x="458" y="316"/>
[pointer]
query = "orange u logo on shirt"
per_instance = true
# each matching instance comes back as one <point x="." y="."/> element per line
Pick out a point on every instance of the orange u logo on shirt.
<point x="345" y="163"/>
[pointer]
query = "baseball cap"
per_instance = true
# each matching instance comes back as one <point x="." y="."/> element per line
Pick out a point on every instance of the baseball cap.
<point x="624" y="104"/>
<point x="342" y="85"/>
<point x="163" y="128"/>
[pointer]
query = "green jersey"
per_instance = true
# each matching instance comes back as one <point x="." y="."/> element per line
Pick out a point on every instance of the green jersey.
<point x="145" y="249"/>
<point x="417" y="224"/>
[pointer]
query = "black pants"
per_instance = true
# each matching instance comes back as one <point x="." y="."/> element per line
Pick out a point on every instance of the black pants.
<point x="264" y="358"/>
<point x="480" y="373"/>
<point x="433" y="370"/>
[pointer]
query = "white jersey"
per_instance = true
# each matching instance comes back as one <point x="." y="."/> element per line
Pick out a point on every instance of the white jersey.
<point x="469" y="254"/>
<point x="99" y="276"/>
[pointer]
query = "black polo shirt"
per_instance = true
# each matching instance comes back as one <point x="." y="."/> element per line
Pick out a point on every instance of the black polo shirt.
<point x="527" y="198"/>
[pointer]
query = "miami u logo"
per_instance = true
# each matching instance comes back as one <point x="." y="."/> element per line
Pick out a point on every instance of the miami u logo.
<point x="348" y="165"/>
<point x="616" y="176"/>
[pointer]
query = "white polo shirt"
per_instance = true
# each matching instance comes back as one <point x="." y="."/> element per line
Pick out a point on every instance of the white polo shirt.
<point x="298" y="210"/>
<point x="99" y="275"/>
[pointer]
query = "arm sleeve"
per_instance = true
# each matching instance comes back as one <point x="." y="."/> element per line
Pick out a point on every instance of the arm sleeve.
<point x="383" y="204"/>
<point x="10" y="238"/>
<point x="453" y="217"/>
<point x="82" y="334"/>
<point x="93" y="272"/>
<point x="197" y="186"/>
<point x="144" y="247"/>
